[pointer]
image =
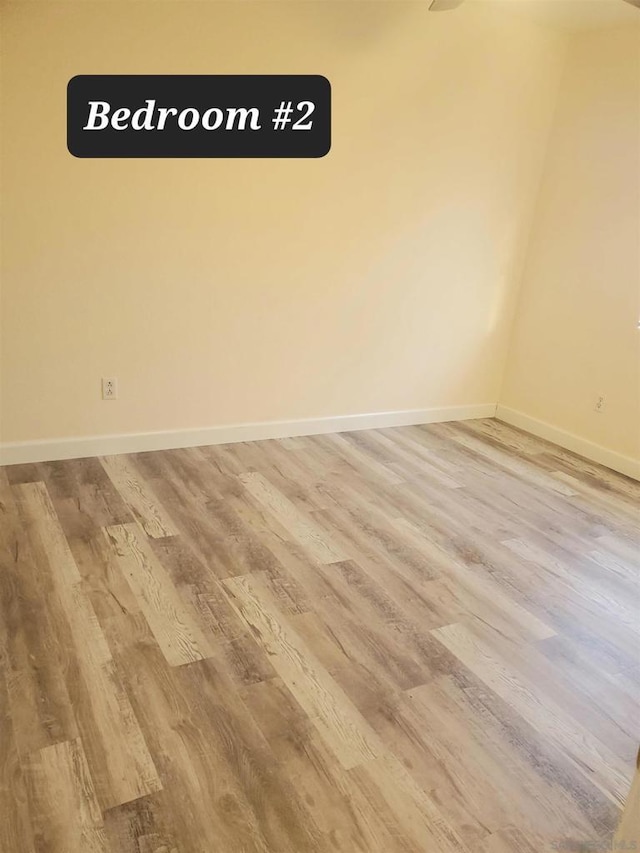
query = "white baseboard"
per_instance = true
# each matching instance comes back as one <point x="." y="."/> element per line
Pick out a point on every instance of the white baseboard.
<point x="12" y="453"/>
<point x="595" y="452"/>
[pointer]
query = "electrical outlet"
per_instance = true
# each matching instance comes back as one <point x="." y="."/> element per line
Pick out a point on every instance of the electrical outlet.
<point x="599" y="406"/>
<point x="109" y="388"/>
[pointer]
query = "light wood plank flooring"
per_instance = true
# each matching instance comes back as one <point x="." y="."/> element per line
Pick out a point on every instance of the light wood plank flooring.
<point x="412" y="640"/>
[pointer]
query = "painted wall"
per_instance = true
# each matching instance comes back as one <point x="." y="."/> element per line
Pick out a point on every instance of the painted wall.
<point x="575" y="336"/>
<point x="380" y="278"/>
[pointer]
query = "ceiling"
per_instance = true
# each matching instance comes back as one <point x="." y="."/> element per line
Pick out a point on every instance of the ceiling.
<point x="573" y="15"/>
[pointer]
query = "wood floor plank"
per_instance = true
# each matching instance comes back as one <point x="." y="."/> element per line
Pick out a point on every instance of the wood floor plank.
<point x="504" y="458"/>
<point x="36" y="690"/>
<point x="406" y="463"/>
<point x="123" y="768"/>
<point x="388" y="784"/>
<point x="339" y="723"/>
<point x="344" y="814"/>
<point x="16" y="831"/>
<point x="231" y="642"/>
<point x="200" y="502"/>
<point x="102" y="580"/>
<point x="479" y="593"/>
<point x="63" y="800"/>
<point x="512" y="840"/>
<point x="223" y="788"/>
<point x="593" y="758"/>
<point x="355" y="611"/>
<point x="140" y="827"/>
<point x="623" y="606"/>
<point x="301" y="528"/>
<point x="83" y="496"/>
<point x="172" y="622"/>
<point x="597" y="688"/>
<point x="445" y="727"/>
<point x="139" y="495"/>
<point x="354" y="460"/>
<point x="368" y="527"/>
<point x="551" y="776"/>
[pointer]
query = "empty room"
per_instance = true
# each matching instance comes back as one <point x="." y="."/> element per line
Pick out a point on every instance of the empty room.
<point x="319" y="426"/>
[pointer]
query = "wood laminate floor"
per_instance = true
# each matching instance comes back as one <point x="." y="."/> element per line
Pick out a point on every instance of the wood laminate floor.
<point x="411" y="639"/>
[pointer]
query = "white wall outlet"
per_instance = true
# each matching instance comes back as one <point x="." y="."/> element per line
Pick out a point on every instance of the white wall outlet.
<point x="109" y="388"/>
<point x="600" y="404"/>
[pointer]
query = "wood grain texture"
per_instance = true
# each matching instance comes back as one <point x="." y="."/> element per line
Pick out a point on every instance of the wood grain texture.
<point x="408" y="640"/>
<point x="123" y="767"/>
<point x="66" y="814"/>
<point x="173" y="625"/>
<point x="35" y="678"/>
<point x="15" y="827"/>
<point x="343" y="728"/>
<point x="139" y="496"/>
<point x="302" y="529"/>
<point x="547" y="716"/>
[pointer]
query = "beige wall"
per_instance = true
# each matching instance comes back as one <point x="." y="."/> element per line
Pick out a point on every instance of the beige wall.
<point x="220" y="291"/>
<point x="575" y="336"/>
